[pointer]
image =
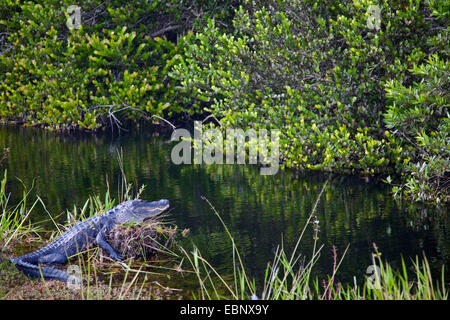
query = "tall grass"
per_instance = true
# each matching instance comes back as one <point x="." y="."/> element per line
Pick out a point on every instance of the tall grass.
<point x="124" y="280"/>
<point x="390" y="284"/>
<point x="14" y="217"/>
<point x="288" y="277"/>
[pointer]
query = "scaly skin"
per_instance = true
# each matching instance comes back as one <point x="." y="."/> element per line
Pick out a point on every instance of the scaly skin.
<point x="77" y="238"/>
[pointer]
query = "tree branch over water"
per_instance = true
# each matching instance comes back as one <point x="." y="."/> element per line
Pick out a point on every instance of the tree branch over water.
<point x="114" y="121"/>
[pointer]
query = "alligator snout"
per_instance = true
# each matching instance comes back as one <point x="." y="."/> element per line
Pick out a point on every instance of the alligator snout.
<point x="163" y="203"/>
<point x="155" y="207"/>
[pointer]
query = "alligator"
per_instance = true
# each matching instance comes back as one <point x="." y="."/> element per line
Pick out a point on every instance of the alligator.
<point x="84" y="234"/>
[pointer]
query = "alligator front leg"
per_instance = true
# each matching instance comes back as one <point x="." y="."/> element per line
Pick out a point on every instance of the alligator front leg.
<point x="101" y="241"/>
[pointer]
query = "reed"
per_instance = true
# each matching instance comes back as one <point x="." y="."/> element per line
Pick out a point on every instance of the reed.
<point x="103" y="278"/>
<point x="14" y="222"/>
<point x="288" y="277"/>
<point x="389" y="284"/>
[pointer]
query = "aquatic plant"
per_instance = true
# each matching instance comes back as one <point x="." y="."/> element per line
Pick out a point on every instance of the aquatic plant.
<point x="14" y="223"/>
<point x="289" y="277"/>
<point x="125" y="280"/>
<point x="286" y="277"/>
<point x="390" y="284"/>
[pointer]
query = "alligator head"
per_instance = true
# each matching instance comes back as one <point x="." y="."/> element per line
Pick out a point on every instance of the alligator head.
<point x="138" y="210"/>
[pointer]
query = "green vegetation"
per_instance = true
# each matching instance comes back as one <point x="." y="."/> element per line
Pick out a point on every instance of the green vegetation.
<point x="347" y="95"/>
<point x="13" y="217"/>
<point x="103" y="280"/>
<point x="347" y="98"/>
<point x="288" y="276"/>
<point x="117" y="62"/>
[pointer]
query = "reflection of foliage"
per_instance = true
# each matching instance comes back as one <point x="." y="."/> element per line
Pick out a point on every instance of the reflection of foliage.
<point x="260" y="211"/>
<point x="315" y="70"/>
<point x="4" y="155"/>
<point x="346" y="98"/>
<point x="263" y="211"/>
<point x="70" y="168"/>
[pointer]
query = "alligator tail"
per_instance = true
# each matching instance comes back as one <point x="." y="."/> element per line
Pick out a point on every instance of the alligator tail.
<point x="33" y="270"/>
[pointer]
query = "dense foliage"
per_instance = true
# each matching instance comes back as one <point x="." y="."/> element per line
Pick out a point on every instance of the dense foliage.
<point x="348" y="98"/>
<point x="349" y="93"/>
<point x="118" y="59"/>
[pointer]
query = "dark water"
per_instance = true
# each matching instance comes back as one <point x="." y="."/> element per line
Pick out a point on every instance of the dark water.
<point x="261" y="211"/>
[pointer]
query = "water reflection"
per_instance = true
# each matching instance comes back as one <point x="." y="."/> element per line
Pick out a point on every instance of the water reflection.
<point x="261" y="211"/>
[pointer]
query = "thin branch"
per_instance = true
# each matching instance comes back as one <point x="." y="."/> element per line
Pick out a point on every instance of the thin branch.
<point x="214" y="117"/>
<point x="115" y="121"/>
<point x="164" y="30"/>
<point x="170" y="124"/>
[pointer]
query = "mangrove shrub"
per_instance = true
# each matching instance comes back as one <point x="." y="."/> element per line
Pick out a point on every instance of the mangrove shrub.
<point x="348" y="95"/>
